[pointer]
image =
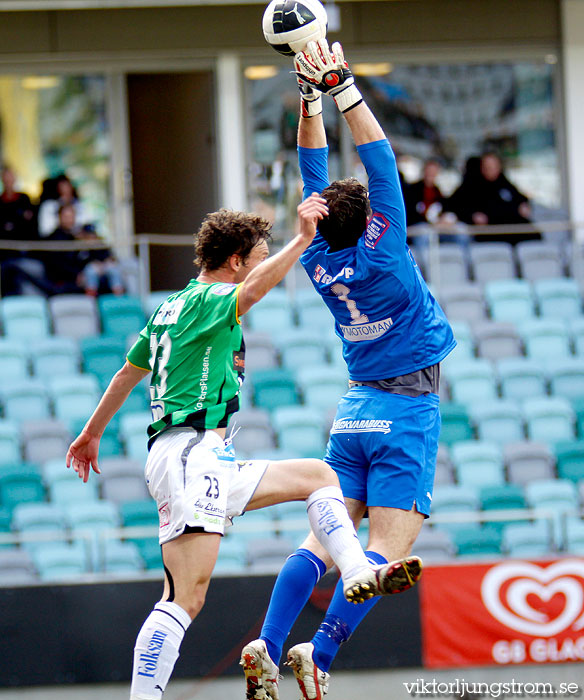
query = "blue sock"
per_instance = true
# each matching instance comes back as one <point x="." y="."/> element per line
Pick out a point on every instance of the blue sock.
<point x="341" y="619"/>
<point x="296" y="580"/>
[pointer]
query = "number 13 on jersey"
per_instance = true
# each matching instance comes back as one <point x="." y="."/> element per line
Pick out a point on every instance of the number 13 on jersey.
<point x="159" y="357"/>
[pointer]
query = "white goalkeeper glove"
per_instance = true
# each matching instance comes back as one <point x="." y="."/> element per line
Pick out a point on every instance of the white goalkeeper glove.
<point x="328" y="72"/>
<point x="311" y="100"/>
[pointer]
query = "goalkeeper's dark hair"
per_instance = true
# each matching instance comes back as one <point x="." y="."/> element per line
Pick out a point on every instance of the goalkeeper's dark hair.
<point x="225" y="233"/>
<point x="349" y="209"/>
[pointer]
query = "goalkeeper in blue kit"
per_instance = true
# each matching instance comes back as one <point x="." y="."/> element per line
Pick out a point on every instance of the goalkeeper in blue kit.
<point x="384" y="439"/>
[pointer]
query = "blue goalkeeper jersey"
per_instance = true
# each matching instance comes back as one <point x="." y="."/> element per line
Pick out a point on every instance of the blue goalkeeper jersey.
<point x="388" y="320"/>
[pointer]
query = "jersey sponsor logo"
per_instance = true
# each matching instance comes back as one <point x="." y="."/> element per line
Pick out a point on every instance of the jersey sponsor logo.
<point x="369" y="425"/>
<point x="222" y="289"/>
<point x="204" y="378"/>
<point x="238" y="361"/>
<point x="169" y="312"/>
<point x="318" y="273"/>
<point x="376" y="227"/>
<point x="366" y="331"/>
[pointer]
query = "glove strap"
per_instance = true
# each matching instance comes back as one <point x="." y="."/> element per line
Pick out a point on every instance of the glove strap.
<point x="310" y="108"/>
<point x="348" y="98"/>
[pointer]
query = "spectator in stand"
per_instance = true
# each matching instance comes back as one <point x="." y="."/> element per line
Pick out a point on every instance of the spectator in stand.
<point x="49" y="209"/>
<point x="487" y="197"/>
<point x="101" y="269"/>
<point x="17" y="223"/>
<point x="424" y="201"/>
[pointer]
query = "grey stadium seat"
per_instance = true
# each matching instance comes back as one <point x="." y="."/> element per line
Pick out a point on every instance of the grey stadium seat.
<point x="527" y="461"/>
<point x="123" y="480"/>
<point x="495" y="340"/>
<point x="464" y="302"/>
<point x="74" y="315"/>
<point x="44" y="439"/>
<point x="492" y="261"/>
<point x="252" y="431"/>
<point x="539" y="260"/>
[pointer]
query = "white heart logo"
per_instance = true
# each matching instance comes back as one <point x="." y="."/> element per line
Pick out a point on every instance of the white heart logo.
<point x="511" y="606"/>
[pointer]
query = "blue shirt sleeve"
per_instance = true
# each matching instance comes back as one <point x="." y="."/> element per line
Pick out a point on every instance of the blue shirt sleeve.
<point x="385" y="235"/>
<point x="313" y="164"/>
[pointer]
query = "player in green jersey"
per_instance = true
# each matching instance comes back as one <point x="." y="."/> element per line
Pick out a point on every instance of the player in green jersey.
<point x="193" y="346"/>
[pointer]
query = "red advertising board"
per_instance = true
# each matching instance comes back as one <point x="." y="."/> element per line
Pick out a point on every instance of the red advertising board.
<point x="509" y="612"/>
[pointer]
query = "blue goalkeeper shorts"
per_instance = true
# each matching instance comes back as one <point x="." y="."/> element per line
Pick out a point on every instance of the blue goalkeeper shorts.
<point x="383" y="447"/>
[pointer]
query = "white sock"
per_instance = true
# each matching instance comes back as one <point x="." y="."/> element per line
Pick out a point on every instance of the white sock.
<point x="335" y="531"/>
<point x="156" y="650"/>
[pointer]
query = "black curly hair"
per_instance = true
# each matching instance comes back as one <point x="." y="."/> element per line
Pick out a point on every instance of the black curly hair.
<point x="225" y="233"/>
<point x="349" y="209"/>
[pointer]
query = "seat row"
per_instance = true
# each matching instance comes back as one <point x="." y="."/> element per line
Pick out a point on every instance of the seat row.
<point x="485" y="262"/>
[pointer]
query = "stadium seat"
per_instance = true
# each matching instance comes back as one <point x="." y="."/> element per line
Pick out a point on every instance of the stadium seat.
<point x="121" y="557"/>
<point x="260" y="351"/>
<point x="312" y="312"/>
<point x="545" y="338"/>
<point x="154" y="300"/>
<point x="58" y="561"/>
<point x="478" y="463"/>
<point x="272" y="314"/>
<point x="21" y="483"/>
<point x="91" y="516"/>
<point x="501" y="498"/>
<point x="472" y="381"/>
<point x="558" y="298"/>
<point x="433" y="545"/>
<point x="559" y="495"/>
<point x="273" y="388"/>
<point x="455" y="499"/>
<point x="9" y="443"/>
<point x="444" y="471"/>
<point x="150" y="553"/>
<point x="528" y="539"/>
<point x="142" y="513"/>
<point x="231" y="558"/>
<point x="491" y="261"/>
<point x="74" y="397"/>
<point x="120" y="315"/>
<point x="463" y="302"/>
<point x="16" y="566"/>
<point x="251" y="430"/>
<point x="74" y="315"/>
<point x="25" y="317"/>
<point x="123" y="479"/>
<point x="578" y="406"/>
<point x="268" y="553"/>
<point x="574" y="536"/>
<point x="577" y="333"/>
<point x="570" y="459"/>
<point x="566" y="377"/>
<point x="300" y="347"/>
<point x="477" y="542"/>
<point x="13" y="358"/>
<point x="465" y="346"/>
<point x="510" y="300"/>
<point x="549" y="419"/>
<point x="322" y="385"/>
<point x="496" y="340"/>
<point x="24" y="399"/>
<point x="72" y="490"/>
<point x="453" y="264"/>
<point x="300" y="427"/>
<point x="539" y="260"/>
<point x="499" y="420"/>
<point x="521" y="378"/>
<point x="103" y="356"/>
<point x="54" y="356"/>
<point x="527" y="460"/>
<point x="45" y="519"/>
<point x="456" y="425"/>
<point x="133" y="427"/>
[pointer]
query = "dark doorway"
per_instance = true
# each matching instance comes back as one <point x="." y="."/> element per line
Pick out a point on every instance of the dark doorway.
<point x="173" y="164"/>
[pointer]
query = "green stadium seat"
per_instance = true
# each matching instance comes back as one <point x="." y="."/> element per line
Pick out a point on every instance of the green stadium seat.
<point x="456" y="425"/>
<point x="477" y="542"/>
<point x="471" y="381"/>
<point x="21" y="483"/>
<point x="528" y="539"/>
<point x="121" y="557"/>
<point x="577" y="332"/>
<point x="499" y="421"/>
<point x="272" y="314"/>
<point x="120" y="315"/>
<point x="103" y="356"/>
<point x="54" y="356"/>
<point x="578" y="406"/>
<point x="549" y="419"/>
<point x="558" y="298"/>
<point x="25" y="317"/>
<point x="150" y="552"/>
<point x="545" y="338"/>
<point x="478" y="463"/>
<point x="24" y="399"/>
<point x="570" y="460"/>
<point x="322" y="385"/>
<point x="133" y="427"/>
<point x="273" y="388"/>
<point x="501" y="498"/>
<point x="300" y="347"/>
<point x="9" y="443"/>
<point x="45" y="519"/>
<point x="574" y="541"/>
<point x="139" y="513"/>
<point x="13" y="358"/>
<point x="74" y="397"/>
<point x="300" y="428"/>
<point x="58" y="561"/>
<point x="521" y="378"/>
<point x="510" y="300"/>
<point x="566" y="377"/>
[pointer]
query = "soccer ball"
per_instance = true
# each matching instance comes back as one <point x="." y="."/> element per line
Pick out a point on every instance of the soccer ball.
<point x="290" y="24"/>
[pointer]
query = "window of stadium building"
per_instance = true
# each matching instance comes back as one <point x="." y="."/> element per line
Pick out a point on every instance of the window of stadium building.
<point x="450" y="112"/>
<point x="57" y="124"/>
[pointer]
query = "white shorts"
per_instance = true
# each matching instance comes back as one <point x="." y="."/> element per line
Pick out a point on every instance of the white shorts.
<point x="196" y="481"/>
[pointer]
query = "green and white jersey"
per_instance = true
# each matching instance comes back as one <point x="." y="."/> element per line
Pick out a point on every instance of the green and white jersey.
<point x="193" y="343"/>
